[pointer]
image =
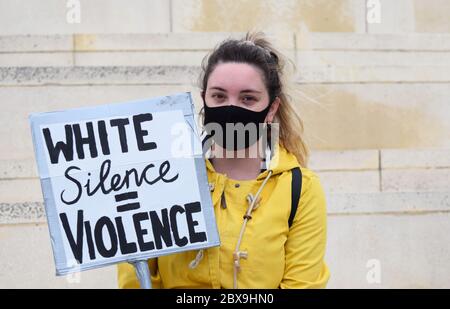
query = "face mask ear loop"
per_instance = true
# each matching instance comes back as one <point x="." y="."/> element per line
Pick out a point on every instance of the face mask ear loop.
<point x="269" y="145"/>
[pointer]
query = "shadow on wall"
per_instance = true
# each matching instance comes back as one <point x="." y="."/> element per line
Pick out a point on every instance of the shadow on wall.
<point x="349" y="122"/>
<point x="219" y="15"/>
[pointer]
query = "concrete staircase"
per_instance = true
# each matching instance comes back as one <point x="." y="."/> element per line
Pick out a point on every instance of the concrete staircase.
<point x="376" y="111"/>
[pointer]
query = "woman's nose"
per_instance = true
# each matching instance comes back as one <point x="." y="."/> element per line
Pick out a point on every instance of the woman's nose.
<point x="233" y="101"/>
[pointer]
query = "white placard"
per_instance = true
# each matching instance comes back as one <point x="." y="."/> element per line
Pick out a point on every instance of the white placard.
<point x="123" y="182"/>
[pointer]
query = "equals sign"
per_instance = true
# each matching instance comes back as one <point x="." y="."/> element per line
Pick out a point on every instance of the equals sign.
<point x="124" y="197"/>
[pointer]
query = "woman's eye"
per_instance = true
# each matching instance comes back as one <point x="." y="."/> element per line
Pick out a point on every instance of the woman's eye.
<point x="218" y="96"/>
<point x="247" y="99"/>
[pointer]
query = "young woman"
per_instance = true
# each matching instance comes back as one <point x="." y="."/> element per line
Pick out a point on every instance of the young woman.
<point x="270" y="209"/>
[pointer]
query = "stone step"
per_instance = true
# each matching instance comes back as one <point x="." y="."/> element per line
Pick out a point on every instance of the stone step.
<point x="173" y="75"/>
<point x="27" y="262"/>
<point x="320" y="57"/>
<point x="194" y="58"/>
<point x="338" y="204"/>
<point x="377" y="58"/>
<point x="408" y="249"/>
<point x="339" y="116"/>
<point x="373" y="42"/>
<point x="320" y="161"/>
<point x="204" y="41"/>
<point x="385" y="170"/>
<point x="118" y="49"/>
<point x="355" y="173"/>
<point x="106" y="75"/>
<point x="341" y="74"/>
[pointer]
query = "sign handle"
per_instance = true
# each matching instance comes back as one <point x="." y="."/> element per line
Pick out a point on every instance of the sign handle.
<point x="143" y="273"/>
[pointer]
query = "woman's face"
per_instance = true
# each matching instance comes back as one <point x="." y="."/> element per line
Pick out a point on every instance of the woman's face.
<point x="238" y="84"/>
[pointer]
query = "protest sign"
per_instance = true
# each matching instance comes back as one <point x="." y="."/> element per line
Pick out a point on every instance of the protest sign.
<point x="123" y="182"/>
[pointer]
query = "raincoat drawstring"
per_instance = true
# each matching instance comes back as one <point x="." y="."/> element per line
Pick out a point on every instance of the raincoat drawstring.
<point x="253" y="202"/>
<point x="194" y="263"/>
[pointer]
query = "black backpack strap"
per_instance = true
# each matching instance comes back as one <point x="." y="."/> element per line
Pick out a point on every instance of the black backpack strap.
<point x="296" y="189"/>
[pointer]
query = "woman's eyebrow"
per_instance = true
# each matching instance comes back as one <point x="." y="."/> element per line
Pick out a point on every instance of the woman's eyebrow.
<point x="218" y="88"/>
<point x="245" y="90"/>
<point x="251" y="90"/>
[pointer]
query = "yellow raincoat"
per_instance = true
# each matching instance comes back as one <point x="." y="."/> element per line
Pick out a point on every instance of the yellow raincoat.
<point x="277" y="256"/>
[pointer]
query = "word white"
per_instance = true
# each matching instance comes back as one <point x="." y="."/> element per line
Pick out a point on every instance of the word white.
<point x="74" y="140"/>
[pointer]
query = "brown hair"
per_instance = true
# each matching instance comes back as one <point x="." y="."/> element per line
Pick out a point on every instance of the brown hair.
<point x="256" y="50"/>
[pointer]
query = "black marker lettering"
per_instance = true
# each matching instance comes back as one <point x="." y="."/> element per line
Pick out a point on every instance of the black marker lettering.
<point x="89" y="140"/>
<point x="161" y="230"/>
<point x="137" y="120"/>
<point x="180" y="242"/>
<point x="140" y="232"/>
<point x="120" y="124"/>
<point x="98" y="232"/>
<point x="75" y="245"/>
<point x="76" y="182"/>
<point x="193" y="235"/>
<point x="65" y="147"/>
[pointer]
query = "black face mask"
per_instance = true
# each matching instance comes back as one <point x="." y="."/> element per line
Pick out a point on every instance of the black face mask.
<point x="234" y="115"/>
